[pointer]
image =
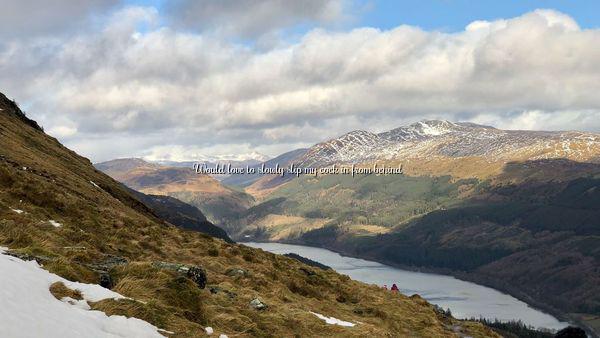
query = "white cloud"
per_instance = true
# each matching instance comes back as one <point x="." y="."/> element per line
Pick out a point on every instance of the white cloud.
<point x="253" y="18"/>
<point x="20" y="18"/>
<point x="62" y="131"/>
<point x="159" y="86"/>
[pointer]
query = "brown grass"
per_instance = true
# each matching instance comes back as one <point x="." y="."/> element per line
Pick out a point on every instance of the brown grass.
<point x="59" y="290"/>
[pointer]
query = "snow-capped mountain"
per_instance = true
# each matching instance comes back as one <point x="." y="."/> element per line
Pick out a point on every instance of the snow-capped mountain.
<point x="426" y="129"/>
<point x="221" y="158"/>
<point x="437" y="139"/>
<point x="235" y="161"/>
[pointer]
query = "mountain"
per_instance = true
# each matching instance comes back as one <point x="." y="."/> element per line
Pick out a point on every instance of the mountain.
<point x="516" y="210"/>
<point x="237" y="161"/>
<point x="432" y="147"/>
<point x="217" y="201"/>
<point x="282" y="160"/>
<point x="180" y="214"/>
<point x="85" y="228"/>
<point x="436" y="146"/>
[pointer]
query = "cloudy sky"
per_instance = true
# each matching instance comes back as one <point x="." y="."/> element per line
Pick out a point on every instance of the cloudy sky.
<point x="171" y="80"/>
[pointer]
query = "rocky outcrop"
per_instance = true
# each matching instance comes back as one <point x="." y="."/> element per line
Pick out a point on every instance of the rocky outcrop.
<point x="257" y="304"/>
<point x="196" y="273"/>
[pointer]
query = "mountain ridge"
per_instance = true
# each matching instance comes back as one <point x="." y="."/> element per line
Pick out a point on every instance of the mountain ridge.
<point x="444" y="138"/>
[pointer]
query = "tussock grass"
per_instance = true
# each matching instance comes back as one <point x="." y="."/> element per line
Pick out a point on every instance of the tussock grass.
<point x="59" y="290"/>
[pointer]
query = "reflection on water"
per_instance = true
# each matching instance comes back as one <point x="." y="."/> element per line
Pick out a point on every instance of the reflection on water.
<point x="464" y="299"/>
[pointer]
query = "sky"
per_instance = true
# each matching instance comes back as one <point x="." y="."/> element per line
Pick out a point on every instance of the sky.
<point x="185" y="79"/>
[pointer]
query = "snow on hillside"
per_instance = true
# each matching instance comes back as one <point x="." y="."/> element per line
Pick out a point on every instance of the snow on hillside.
<point x="431" y="138"/>
<point x="333" y="320"/>
<point x="28" y="309"/>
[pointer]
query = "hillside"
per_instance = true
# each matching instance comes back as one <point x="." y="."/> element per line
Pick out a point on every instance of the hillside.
<point x="180" y="214"/>
<point x="516" y="210"/>
<point x="216" y="201"/>
<point x="85" y="227"/>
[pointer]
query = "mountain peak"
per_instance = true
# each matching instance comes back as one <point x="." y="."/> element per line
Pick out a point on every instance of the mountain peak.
<point x="9" y="106"/>
<point x="425" y="129"/>
<point x="434" y="127"/>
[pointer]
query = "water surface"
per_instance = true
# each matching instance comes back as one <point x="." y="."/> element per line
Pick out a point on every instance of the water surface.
<point x="464" y="299"/>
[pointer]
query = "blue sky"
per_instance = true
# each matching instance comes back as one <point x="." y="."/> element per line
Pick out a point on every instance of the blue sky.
<point x="454" y="15"/>
<point x="447" y="15"/>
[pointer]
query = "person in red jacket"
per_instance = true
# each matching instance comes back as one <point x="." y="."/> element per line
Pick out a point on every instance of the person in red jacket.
<point x="395" y="288"/>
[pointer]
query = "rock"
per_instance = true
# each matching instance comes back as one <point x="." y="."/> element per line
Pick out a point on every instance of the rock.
<point x="106" y="281"/>
<point x="28" y="257"/>
<point x="236" y="272"/>
<point x="209" y="330"/>
<point x="109" y="262"/>
<point x="195" y="273"/>
<point x="257" y="304"/>
<point x="168" y="266"/>
<point x="198" y="275"/>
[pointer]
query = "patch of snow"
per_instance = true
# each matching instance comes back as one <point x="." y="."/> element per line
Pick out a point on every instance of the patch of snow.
<point x="55" y="223"/>
<point x="432" y="130"/>
<point x="333" y="321"/>
<point x="92" y="292"/>
<point x="223" y="336"/>
<point x="209" y="330"/>
<point x="95" y="185"/>
<point x="25" y="168"/>
<point x="28" y="309"/>
<point x="17" y="211"/>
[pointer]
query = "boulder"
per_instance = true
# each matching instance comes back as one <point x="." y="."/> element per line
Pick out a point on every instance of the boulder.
<point x="198" y="275"/>
<point x="257" y="304"/>
<point x="106" y="281"/>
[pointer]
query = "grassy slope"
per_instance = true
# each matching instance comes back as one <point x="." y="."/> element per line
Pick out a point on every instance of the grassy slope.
<point x="180" y="214"/>
<point x="365" y="204"/>
<point x="48" y="181"/>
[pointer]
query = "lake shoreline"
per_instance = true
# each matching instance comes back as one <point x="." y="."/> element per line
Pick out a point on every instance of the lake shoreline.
<point x="460" y="275"/>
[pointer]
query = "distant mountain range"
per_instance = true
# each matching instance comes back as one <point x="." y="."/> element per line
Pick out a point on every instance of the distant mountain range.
<point x="436" y="139"/>
<point x="217" y="201"/>
<point x="238" y="161"/>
